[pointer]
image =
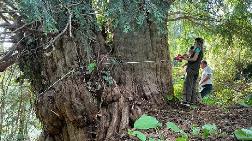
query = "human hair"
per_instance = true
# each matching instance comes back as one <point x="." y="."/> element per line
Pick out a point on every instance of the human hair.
<point x="204" y="62"/>
<point x="199" y="41"/>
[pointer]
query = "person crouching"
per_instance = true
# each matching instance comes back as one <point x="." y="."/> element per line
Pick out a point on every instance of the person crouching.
<point x="206" y="79"/>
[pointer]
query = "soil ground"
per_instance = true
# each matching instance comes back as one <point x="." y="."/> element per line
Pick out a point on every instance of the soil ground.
<point x="227" y="121"/>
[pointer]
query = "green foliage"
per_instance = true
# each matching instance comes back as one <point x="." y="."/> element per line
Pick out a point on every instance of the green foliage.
<point x="138" y="134"/>
<point x="107" y="77"/>
<point x="54" y="14"/>
<point x="195" y="131"/>
<point x="132" y="14"/>
<point x="178" y="81"/>
<point x="209" y="129"/>
<point x="247" y="101"/>
<point x="91" y="67"/>
<point x="147" y="122"/>
<point x="243" y="134"/>
<point x="143" y="123"/>
<point x="37" y="10"/>
<point x="182" y="139"/>
<point x="176" y="129"/>
<point x="17" y="118"/>
<point x="226" y="28"/>
<point x="173" y="127"/>
<point x="210" y="100"/>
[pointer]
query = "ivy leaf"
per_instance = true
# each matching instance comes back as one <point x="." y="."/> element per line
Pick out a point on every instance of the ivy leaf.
<point x="146" y="122"/>
<point x="91" y="67"/>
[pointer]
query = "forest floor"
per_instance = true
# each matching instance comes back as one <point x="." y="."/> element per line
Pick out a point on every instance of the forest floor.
<point x="227" y="121"/>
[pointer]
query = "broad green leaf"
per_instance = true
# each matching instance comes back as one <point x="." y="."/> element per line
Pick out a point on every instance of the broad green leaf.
<point x="247" y="102"/>
<point x="137" y="134"/>
<point x="195" y="131"/>
<point x="173" y="127"/>
<point x="146" y="122"/>
<point x="151" y="139"/>
<point x="243" y="134"/>
<point x="181" y="139"/>
<point x="209" y="129"/>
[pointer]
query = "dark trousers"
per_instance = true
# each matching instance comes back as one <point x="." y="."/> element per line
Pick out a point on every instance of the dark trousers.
<point x="190" y="94"/>
<point x="206" y="89"/>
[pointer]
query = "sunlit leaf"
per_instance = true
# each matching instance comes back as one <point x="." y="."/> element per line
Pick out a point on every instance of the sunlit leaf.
<point x="146" y="122"/>
<point x="243" y="134"/>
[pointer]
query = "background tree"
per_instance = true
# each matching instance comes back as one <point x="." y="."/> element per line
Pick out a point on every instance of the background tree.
<point x="17" y="120"/>
<point x="226" y="28"/>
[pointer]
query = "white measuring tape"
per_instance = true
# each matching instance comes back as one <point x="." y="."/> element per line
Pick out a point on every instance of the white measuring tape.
<point x="73" y="70"/>
<point x="131" y="62"/>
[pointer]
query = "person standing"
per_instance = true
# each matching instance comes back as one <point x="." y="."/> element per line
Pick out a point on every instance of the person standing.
<point x="192" y="70"/>
<point x="206" y="79"/>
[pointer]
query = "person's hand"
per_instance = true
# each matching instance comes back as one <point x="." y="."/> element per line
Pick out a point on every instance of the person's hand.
<point x="186" y="57"/>
<point x="200" y="83"/>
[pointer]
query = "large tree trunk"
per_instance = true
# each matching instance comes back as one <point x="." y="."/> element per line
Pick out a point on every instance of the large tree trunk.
<point x="69" y="104"/>
<point x="140" y="86"/>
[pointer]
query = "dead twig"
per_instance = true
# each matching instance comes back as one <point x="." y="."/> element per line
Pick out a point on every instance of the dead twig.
<point x="47" y="48"/>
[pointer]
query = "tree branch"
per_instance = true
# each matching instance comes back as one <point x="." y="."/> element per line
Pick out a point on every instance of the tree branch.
<point x="197" y="23"/>
<point x="10" y="4"/>
<point x="23" y="26"/>
<point x="11" y="50"/>
<point x="7" y="41"/>
<point x="10" y="61"/>
<point x="11" y="12"/>
<point x="6" y="25"/>
<point x="192" y="18"/>
<point x="4" y="18"/>
<point x="47" y="48"/>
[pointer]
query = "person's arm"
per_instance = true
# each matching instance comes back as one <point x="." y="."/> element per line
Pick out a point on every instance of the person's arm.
<point x="205" y="79"/>
<point x="185" y="64"/>
<point x="195" y="57"/>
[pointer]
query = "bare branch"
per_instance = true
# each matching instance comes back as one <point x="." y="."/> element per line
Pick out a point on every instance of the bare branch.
<point x="6" y="32"/>
<point x="6" y="25"/>
<point x="177" y="13"/>
<point x="47" y="48"/>
<point x="189" y="17"/>
<point x="4" y="18"/>
<point x="10" y="4"/>
<point x="11" y="12"/>
<point x="70" y="24"/>
<point x="11" y="50"/>
<point x="197" y="23"/>
<point x="7" y="41"/>
<point x="10" y="61"/>
<point x="21" y="27"/>
<point x="6" y="38"/>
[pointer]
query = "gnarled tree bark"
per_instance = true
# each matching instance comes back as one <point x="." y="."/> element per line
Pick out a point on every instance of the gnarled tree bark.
<point x="66" y="105"/>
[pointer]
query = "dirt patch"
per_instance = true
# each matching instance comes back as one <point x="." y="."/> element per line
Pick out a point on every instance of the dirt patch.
<point x="227" y="121"/>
